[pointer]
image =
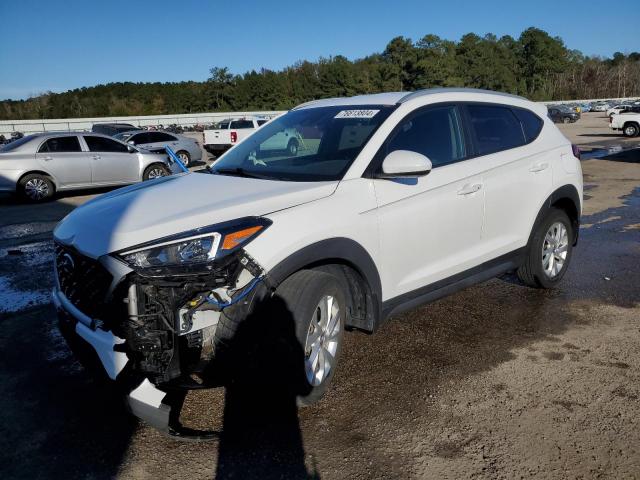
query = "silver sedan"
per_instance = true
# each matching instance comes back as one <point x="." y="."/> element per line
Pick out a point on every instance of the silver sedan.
<point x="36" y="166"/>
<point x="187" y="149"/>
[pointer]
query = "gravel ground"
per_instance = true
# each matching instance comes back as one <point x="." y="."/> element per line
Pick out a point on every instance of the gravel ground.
<point x="497" y="381"/>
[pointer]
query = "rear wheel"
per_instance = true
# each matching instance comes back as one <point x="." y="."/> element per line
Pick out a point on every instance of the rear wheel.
<point x="549" y="252"/>
<point x="184" y="157"/>
<point x="36" y="187"/>
<point x="631" y="130"/>
<point x="156" y="170"/>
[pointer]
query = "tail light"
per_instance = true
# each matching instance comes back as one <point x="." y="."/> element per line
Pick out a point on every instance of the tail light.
<point x="576" y="151"/>
<point x="234" y="137"/>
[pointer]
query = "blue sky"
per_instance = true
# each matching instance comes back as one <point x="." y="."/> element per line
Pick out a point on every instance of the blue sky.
<point x="62" y="44"/>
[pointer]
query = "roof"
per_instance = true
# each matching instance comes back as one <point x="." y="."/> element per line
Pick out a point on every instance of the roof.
<point x="393" y="98"/>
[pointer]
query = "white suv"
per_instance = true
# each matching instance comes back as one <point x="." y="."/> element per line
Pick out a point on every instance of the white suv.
<point x="256" y="267"/>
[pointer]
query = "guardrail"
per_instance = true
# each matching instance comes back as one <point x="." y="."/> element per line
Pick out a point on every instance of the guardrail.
<point x="82" y="124"/>
<point x="187" y="119"/>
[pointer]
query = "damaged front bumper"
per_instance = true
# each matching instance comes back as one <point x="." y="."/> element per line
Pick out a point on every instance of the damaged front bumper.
<point x="154" y="337"/>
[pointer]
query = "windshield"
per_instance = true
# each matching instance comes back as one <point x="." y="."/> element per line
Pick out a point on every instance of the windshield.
<point x="307" y="145"/>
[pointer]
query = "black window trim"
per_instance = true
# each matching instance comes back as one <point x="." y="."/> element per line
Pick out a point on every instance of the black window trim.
<point x="373" y="169"/>
<point x="60" y="136"/>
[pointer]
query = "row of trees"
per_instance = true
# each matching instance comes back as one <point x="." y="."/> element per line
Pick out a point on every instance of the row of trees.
<point x="535" y="65"/>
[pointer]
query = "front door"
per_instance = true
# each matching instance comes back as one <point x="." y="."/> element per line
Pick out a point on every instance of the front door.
<point x="111" y="162"/>
<point x="430" y="227"/>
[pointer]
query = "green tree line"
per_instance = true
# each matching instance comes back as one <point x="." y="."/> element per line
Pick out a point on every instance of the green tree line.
<point x="535" y="65"/>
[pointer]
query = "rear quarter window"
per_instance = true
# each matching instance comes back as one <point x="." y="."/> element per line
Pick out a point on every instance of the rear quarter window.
<point x="530" y="122"/>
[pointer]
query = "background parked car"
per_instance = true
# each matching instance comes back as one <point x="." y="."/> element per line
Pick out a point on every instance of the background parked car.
<point x="37" y="166"/>
<point x="562" y="114"/>
<point x="188" y="149"/>
<point x="112" y="129"/>
<point x="600" y="107"/>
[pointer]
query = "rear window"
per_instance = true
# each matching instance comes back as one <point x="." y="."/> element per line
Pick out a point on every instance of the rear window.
<point x="496" y="128"/>
<point x="60" y="145"/>
<point x="531" y="123"/>
<point x="239" y="124"/>
<point x="7" y="147"/>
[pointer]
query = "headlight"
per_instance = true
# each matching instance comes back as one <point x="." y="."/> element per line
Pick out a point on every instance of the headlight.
<point x="194" y="249"/>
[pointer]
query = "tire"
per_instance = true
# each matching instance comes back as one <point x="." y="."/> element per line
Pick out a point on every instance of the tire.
<point x="155" y="170"/>
<point x="302" y="293"/>
<point x="631" y="130"/>
<point x="292" y="147"/>
<point x="566" y="120"/>
<point x="184" y="156"/>
<point x="533" y="272"/>
<point x="36" y="187"/>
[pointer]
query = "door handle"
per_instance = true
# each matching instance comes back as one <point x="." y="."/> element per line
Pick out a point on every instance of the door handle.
<point x="47" y="158"/>
<point x="96" y="157"/>
<point x="469" y="189"/>
<point x="538" y="167"/>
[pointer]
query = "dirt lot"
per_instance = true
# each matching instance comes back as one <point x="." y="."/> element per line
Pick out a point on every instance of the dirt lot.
<point x="497" y="381"/>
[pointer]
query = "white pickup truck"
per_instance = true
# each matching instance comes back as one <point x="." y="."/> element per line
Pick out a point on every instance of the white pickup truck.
<point x="230" y="131"/>
<point x="628" y="123"/>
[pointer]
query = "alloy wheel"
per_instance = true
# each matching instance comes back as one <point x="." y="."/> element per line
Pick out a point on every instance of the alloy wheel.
<point x="554" y="249"/>
<point x="322" y="341"/>
<point x="156" y="173"/>
<point x="36" y="189"/>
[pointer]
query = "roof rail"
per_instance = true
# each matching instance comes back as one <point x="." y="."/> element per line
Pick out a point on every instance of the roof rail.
<point x="431" y="91"/>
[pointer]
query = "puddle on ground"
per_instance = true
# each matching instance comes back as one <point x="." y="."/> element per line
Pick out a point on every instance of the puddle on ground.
<point x="605" y="152"/>
<point x="19" y="230"/>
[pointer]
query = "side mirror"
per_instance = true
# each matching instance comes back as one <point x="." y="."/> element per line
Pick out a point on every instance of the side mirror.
<point x="405" y="164"/>
<point x="132" y="149"/>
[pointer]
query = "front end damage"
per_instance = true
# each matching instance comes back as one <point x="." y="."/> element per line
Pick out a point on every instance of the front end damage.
<point x="154" y="335"/>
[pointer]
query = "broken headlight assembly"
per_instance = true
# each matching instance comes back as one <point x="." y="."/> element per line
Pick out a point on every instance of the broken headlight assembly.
<point x="194" y="251"/>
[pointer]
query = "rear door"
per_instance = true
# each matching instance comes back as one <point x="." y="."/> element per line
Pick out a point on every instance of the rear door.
<point x="111" y="161"/>
<point x="518" y="177"/>
<point x="64" y="159"/>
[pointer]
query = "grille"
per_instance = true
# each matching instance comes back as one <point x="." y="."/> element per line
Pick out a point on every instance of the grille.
<point x="83" y="280"/>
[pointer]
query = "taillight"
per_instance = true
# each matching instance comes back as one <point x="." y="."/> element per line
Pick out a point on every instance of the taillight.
<point x="576" y="151"/>
<point x="234" y="137"/>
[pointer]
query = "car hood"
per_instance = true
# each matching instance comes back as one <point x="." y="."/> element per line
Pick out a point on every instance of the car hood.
<point x="155" y="209"/>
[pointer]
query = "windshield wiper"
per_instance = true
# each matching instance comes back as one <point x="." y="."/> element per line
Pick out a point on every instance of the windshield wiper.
<point x="237" y="172"/>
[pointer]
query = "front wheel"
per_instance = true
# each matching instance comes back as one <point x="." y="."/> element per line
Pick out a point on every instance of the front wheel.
<point x="155" y="171"/>
<point x="566" y="120"/>
<point x="549" y="252"/>
<point x="317" y="304"/>
<point x="631" y="130"/>
<point x="184" y="157"/>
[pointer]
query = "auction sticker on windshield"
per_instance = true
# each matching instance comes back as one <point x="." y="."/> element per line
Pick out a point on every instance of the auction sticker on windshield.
<point x="356" y="114"/>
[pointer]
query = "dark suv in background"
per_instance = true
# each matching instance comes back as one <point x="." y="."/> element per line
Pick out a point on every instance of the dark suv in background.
<point x="562" y="114"/>
<point x="112" y="129"/>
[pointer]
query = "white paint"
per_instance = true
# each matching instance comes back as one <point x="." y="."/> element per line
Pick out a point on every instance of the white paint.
<point x="147" y="393"/>
<point x="103" y="342"/>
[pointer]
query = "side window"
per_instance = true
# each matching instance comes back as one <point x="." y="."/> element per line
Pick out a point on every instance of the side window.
<point x="435" y="132"/>
<point x="496" y="128"/>
<point x="261" y="122"/>
<point x="239" y="124"/>
<point x="61" y="144"/>
<point x="101" y="144"/>
<point x="140" y="138"/>
<point x="161" y="137"/>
